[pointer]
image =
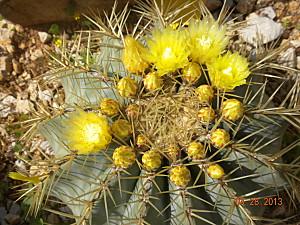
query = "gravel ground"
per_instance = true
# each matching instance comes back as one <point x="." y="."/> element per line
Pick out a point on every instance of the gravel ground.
<point x="23" y="59"/>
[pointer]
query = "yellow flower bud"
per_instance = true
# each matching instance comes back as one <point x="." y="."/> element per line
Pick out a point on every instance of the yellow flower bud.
<point x="134" y="56"/>
<point x="152" y="81"/>
<point x="151" y="160"/>
<point x="232" y="109"/>
<point x="109" y="107"/>
<point x="219" y="138"/>
<point x="123" y="157"/>
<point x="141" y="140"/>
<point x="180" y="176"/>
<point x="206" y="114"/>
<point x="191" y="72"/>
<point x="196" y="151"/>
<point x="132" y="110"/>
<point x="205" y="93"/>
<point x="121" y="128"/>
<point x="127" y="87"/>
<point x="173" y="152"/>
<point x="215" y="171"/>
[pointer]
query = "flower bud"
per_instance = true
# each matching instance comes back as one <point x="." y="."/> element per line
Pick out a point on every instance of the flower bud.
<point x="173" y="152"/>
<point x="205" y="93"/>
<point x="127" y="87"/>
<point x="206" y="114"/>
<point x="219" y="138"/>
<point x="215" y="171"/>
<point x="151" y="160"/>
<point x="232" y="109"/>
<point x="121" y="128"/>
<point x="134" y="56"/>
<point x="180" y="176"/>
<point x="109" y="107"/>
<point x="123" y="157"/>
<point x="196" y="151"/>
<point x="132" y="110"/>
<point x="152" y="81"/>
<point x="141" y="140"/>
<point x="191" y="73"/>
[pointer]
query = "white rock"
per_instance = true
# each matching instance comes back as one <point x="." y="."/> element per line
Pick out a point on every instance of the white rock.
<point x="33" y="90"/>
<point x="267" y="12"/>
<point x="46" y="95"/>
<point x="288" y="58"/>
<point x="36" y="54"/>
<point x="260" y="30"/>
<point x="295" y="43"/>
<point x="24" y="106"/>
<point x="7" y="106"/>
<point x="44" y="37"/>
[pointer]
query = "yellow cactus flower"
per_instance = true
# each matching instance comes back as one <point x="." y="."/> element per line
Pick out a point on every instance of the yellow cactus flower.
<point x="151" y="160"/>
<point x="87" y="132"/>
<point x="109" y="107"/>
<point x="191" y="72"/>
<point x="21" y="177"/>
<point x="58" y="42"/>
<point x="134" y="56"/>
<point x="132" y="110"/>
<point x="228" y="71"/>
<point x="219" y="138"/>
<point x="196" y="151"/>
<point x="153" y="81"/>
<point x="123" y="157"/>
<point x="205" y="93"/>
<point x="232" y="109"/>
<point x="215" y="171"/>
<point x="180" y="176"/>
<point x="121" y="128"/>
<point x="168" y="50"/>
<point x="141" y="140"/>
<point x="206" y="114"/>
<point x="127" y="87"/>
<point x="207" y="40"/>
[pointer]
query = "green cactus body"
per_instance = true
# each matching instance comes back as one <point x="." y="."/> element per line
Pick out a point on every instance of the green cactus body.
<point x="97" y="192"/>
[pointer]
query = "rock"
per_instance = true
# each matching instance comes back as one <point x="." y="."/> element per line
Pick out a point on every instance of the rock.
<point x="13" y="219"/>
<point x="16" y="66"/>
<point x="260" y="30"/>
<point x="6" y="64"/>
<point x="24" y="106"/>
<point x="6" y="36"/>
<point x="279" y="8"/>
<point x="36" y="55"/>
<point x="245" y="6"/>
<point x="212" y="4"/>
<point x="33" y="90"/>
<point x="15" y="209"/>
<point x="44" y="37"/>
<point x="288" y="58"/>
<point x="33" y="12"/>
<point x="46" y="96"/>
<point x="6" y="105"/>
<point x="267" y="12"/>
<point x="298" y="62"/>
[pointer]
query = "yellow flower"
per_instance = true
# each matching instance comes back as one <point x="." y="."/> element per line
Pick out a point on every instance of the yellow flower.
<point x="123" y="157"/>
<point x="215" y="171"/>
<point x="219" y="138"/>
<point x="207" y="40"/>
<point x="121" y="128"/>
<point x="151" y="160"/>
<point x="191" y="72"/>
<point x="228" y="71"/>
<point x="58" y="42"/>
<point x="232" y="109"/>
<point x="206" y="114"/>
<point x="180" y="176"/>
<point x="141" y="140"/>
<point x="168" y="50"/>
<point x="109" y="107"/>
<point x="127" y="87"/>
<point x="173" y="152"/>
<point x="152" y="81"/>
<point x="134" y="56"/>
<point x="21" y="177"/>
<point x="196" y="150"/>
<point x="205" y="93"/>
<point x="87" y="132"/>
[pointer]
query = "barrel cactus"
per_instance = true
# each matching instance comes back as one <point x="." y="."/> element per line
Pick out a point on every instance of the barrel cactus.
<point x="167" y="124"/>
